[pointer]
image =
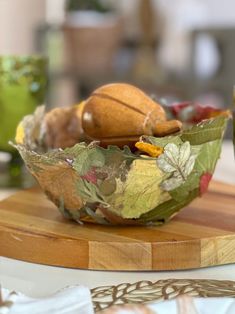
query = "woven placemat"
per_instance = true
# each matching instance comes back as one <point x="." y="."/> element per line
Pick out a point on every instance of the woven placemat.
<point x="148" y="291"/>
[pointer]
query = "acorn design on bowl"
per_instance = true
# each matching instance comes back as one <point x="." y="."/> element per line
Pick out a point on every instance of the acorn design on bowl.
<point x="116" y="159"/>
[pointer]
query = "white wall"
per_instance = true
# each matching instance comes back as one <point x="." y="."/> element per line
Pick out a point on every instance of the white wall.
<point x="18" y="21"/>
<point x="55" y="12"/>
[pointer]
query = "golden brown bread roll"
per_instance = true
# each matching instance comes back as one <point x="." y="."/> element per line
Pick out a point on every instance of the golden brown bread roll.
<point x="119" y="113"/>
<point x="63" y="127"/>
<point x="116" y="114"/>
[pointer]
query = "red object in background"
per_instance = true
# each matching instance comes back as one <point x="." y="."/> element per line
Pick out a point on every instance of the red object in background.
<point x="193" y="112"/>
<point x="176" y="108"/>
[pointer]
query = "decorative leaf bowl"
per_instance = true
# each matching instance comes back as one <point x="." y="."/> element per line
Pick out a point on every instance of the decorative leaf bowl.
<point x="118" y="186"/>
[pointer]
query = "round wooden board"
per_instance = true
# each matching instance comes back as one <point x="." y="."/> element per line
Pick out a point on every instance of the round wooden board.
<point x="202" y="234"/>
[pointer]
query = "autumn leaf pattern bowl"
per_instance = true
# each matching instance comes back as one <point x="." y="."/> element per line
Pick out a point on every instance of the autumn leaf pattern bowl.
<point x="117" y="186"/>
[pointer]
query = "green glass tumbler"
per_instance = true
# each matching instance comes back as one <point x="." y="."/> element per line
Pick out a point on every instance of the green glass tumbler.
<point x="23" y="81"/>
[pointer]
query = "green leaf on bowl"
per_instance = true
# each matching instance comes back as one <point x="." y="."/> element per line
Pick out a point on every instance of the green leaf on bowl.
<point x="141" y="192"/>
<point x="114" y="156"/>
<point x="89" y="192"/>
<point x="182" y="192"/>
<point x="72" y="152"/>
<point x="108" y="186"/>
<point x="88" y="158"/>
<point x="208" y="156"/>
<point x="162" y="141"/>
<point x="204" y="163"/>
<point x="178" y="161"/>
<point x="166" y="210"/>
<point x="117" y="165"/>
<point x="205" y="131"/>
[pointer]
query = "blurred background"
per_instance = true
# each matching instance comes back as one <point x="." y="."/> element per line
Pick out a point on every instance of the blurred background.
<point x="175" y="50"/>
<point x="180" y="49"/>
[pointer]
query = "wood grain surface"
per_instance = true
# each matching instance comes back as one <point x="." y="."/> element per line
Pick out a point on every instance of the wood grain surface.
<point x="202" y="234"/>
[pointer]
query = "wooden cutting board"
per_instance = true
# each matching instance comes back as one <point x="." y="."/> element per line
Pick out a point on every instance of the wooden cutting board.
<point x="202" y="234"/>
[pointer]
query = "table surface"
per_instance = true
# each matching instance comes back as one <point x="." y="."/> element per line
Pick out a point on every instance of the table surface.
<point x="40" y="280"/>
